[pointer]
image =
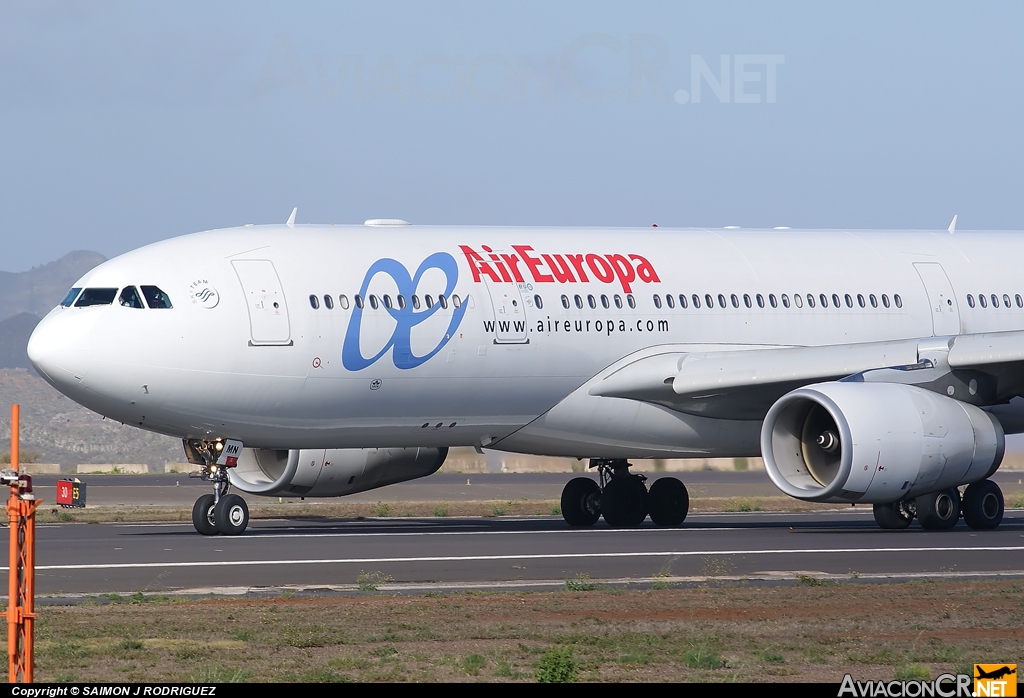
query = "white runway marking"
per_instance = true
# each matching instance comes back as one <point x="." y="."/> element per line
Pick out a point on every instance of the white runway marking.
<point x="539" y="556"/>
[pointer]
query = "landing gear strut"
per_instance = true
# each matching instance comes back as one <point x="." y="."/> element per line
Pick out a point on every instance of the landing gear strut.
<point x="219" y="512"/>
<point x="623" y="498"/>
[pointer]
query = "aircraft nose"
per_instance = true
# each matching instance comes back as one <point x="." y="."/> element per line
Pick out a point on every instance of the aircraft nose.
<point x="55" y="354"/>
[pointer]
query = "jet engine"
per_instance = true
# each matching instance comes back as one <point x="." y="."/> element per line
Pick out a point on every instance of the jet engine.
<point x="330" y="472"/>
<point x="876" y="442"/>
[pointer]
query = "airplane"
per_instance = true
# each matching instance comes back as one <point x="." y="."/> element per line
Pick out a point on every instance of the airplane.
<point x="865" y="367"/>
<point x="994" y="674"/>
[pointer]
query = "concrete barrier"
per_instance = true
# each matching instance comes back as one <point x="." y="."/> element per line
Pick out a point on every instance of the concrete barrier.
<point x="40" y="468"/>
<point x="114" y="468"/>
<point x="179" y="467"/>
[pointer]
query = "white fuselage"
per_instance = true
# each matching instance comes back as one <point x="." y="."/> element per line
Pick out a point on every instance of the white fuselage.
<point x="506" y="365"/>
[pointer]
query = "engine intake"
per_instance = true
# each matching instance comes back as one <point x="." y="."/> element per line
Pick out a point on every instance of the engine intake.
<point x="330" y="472"/>
<point x="876" y="442"/>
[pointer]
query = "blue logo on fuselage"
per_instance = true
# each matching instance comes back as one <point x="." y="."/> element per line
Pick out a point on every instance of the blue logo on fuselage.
<point x="405" y="318"/>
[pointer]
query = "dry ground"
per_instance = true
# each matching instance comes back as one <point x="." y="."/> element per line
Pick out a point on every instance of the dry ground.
<point x="814" y="631"/>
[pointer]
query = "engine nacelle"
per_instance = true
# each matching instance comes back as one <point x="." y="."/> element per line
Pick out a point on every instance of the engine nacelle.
<point x="331" y="472"/>
<point x="876" y="442"/>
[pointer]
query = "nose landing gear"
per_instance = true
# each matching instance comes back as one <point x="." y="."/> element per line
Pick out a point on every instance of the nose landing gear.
<point x="623" y="498"/>
<point x="219" y="512"/>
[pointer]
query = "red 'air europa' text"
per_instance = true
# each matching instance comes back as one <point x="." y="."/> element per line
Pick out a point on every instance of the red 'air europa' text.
<point x="562" y="268"/>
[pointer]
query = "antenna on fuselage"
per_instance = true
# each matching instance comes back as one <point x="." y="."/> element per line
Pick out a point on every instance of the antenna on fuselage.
<point x="291" y="218"/>
<point x="952" y="226"/>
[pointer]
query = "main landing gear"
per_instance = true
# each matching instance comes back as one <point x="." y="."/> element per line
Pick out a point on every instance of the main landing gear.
<point x="219" y="512"/>
<point x="981" y="507"/>
<point x="623" y="498"/>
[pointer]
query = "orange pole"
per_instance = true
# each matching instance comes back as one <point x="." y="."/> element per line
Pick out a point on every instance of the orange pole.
<point x="13" y="566"/>
<point x="21" y="507"/>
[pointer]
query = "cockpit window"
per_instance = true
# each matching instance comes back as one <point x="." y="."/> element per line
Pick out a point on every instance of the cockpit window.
<point x="130" y="298"/>
<point x="70" y="298"/>
<point x="96" y="296"/>
<point x="156" y="298"/>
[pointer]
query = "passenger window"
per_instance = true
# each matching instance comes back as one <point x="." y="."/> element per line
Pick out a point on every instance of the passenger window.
<point x="970" y="300"/>
<point x="897" y="300"/>
<point x="760" y="301"/>
<point x="981" y="299"/>
<point x="618" y="301"/>
<point x="885" y="300"/>
<point x="995" y="301"/>
<point x="604" y="302"/>
<point x="314" y="302"/>
<point x="824" y="300"/>
<point x="1020" y="301"/>
<point x="428" y="300"/>
<point x="657" y="301"/>
<point x="401" y="302"/>
<point x="746" y="300"/>
<point x="860" y="300"/>
<point x="565" y="301"/>
<point x="373" y="302"/>
<point x="797" y="300"/>
<point x="721" y="300"/>
<point x="835" y="300"/>
<point x="387" y="301"/>
<point x="874" y="301"/>
<point x="359" y="301"/>
<point x="537" y="301"/>
<point x="735" y="300"/>
<point x="810" y="300"/>
<point x="709" y="301"/>
<point x="155" y="298"/>
<point x="682" y="300"/>
<point x="130" y="298"/>
<point x="328" y="302"/>
<point x="849" y="301"/>
<point x="415" y="302"/>
<point x="579" y="301"/>
<point x="696" y="300"/>
<point x="669" y="300"/>
<point x="73" y="294"/>
<point x="785" y="301"/>
<point x="591" y="301"/>
<point x="630" y="301"/>
<point x="96" y="296"/>
<point x="443" y="302"/>
<point x="343" y="300"/>
<point x="1006" y="300"/>
<point x="771" y="300"/>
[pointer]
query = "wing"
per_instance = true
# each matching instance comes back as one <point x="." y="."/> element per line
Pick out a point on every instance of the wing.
<point x="744" y="382"/>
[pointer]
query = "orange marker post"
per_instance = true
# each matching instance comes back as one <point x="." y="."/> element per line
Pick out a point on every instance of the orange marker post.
<point x="21" y="508"/>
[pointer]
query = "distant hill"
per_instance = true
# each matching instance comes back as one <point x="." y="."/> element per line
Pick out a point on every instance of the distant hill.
<point x="39" y="289"/>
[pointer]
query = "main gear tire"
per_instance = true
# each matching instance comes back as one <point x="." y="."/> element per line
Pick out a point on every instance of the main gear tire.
<point x="892" y="515"/>
<point x="939" y="511"/>
<point x="668" y="501"/>
<point x="624" y="501"/>
<point x="581" y="502"/>
<point x="982" y="505"/>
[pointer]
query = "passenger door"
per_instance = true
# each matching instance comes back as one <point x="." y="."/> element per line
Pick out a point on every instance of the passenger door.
<point x="264" y="297"/>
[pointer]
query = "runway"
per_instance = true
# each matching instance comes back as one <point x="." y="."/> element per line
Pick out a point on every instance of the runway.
<point x="75" y="560"/>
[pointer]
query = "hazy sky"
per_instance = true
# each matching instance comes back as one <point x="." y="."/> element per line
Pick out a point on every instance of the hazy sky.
<point x="125" y="123"/>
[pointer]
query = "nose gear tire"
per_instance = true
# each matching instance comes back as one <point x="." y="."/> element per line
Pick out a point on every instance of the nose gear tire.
<point x="231" y="515"/>
<point x="202" y="515"/>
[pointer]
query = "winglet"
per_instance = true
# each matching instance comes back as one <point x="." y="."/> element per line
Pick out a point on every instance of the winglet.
<point x="952" y="226"/>
<point x="291" y="218"/>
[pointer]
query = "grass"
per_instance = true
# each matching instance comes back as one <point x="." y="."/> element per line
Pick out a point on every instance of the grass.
<point x="369" y="581"/>
<point x="713" y="632"/>
<point x="581" y="582"/>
